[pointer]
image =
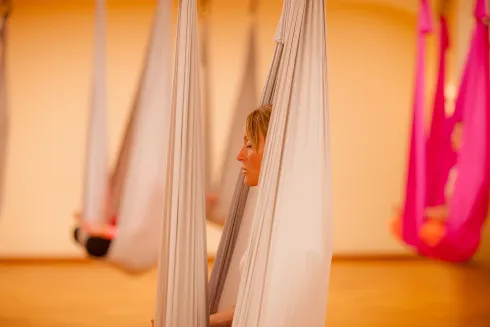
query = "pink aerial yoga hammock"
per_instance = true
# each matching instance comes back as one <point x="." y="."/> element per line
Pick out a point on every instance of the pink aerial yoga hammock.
<point x="459" y="234"/>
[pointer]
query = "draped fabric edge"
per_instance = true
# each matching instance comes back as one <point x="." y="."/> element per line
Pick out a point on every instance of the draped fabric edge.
<point x="206" y="93"/>
<point x="95" y="192"/>
<point x="414" y="192"/>
<point x="4" y="115"/>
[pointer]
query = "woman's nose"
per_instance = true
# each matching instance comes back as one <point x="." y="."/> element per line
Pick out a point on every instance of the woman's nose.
<point x="240" y="157"/>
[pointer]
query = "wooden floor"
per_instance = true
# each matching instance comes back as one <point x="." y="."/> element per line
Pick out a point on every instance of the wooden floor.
<point x="364" y="294"/>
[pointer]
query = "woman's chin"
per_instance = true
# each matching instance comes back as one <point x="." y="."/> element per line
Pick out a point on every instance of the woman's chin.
<point x="250" y="182"/>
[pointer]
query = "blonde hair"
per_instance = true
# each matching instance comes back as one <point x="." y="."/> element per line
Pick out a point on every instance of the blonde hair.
<point x="257" y="124"/>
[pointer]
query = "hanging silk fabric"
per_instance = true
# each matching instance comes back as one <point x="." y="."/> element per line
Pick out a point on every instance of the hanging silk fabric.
<point x="295" y="182"/>
<point x="468" y="205"/>
<point x="205" y="6"/>
<point x="300" y="117"/>
<point x="439" y="149"/>
<point x="96" y="172"/>
<point x="4" y="117"/>
<point x="438" y="127"/>
<point x="276" y="290"/>
<point x="245" y="103"/>
<point x="141" y="208"/>
<point x="182" y="271"/>
<point x="136" y="190"/>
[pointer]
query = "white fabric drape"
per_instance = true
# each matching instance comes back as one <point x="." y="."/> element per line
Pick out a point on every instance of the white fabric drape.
<point x="285" y="279"/>
<point x="206" y="99"/>
<point x="182" y="274"/>
<point x="96" y="164"/>
<point x="118" y="178"/>
<point x="228" y="294"/>
<point x="135" y="192"/>
<point x="141" y="207"/>
<point x="284" y="282"/>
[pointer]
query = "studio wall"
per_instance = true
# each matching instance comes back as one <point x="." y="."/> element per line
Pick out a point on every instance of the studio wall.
<point x="371" y="62"/>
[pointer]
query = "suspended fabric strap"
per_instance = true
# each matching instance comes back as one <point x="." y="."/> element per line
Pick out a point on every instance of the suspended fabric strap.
<point x="206" y="92"/>
<point x="108" y="201"/>
<point x="468" y="205"/>
<point x="465" y="78"/>
<point x="246" y="102"/>
<point x="415" y="190"/>
<point x="295" y="182"/>
<point x="440" y="156"/>
<point x="116" y="182"/>
<point x="182" y="272"/>
<point x="4" y="116"/>
<point x="96" y="165"/>
<point x="136" y="246"/>
<point x="225" y="276"/>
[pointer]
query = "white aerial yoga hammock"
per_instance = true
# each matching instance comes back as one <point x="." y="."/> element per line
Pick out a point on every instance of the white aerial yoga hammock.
<point x="286" y="273"/>
<point x="136" y="189"/>
<point x="4" y="118"/>
<point x="142" y="199"/>
<point x="181" y="288"/>
<point x="285" y="282"/>
<point x="301" y="32"/>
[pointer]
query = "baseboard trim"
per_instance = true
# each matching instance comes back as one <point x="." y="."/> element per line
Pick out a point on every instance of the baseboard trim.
<point x="45" y="260"/>
<point x="85" y="260"/>
<point x="344" y="257"/>
<point x="376" y="257"/>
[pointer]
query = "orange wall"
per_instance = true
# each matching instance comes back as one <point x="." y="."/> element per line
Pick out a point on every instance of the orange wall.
<point x="371" y="63"/>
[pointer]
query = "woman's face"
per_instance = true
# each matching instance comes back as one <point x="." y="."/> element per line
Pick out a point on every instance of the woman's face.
<point x="251" y="159"/>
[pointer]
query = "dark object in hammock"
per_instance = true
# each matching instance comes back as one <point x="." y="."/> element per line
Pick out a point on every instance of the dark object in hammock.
<point x="95" y="246"/>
